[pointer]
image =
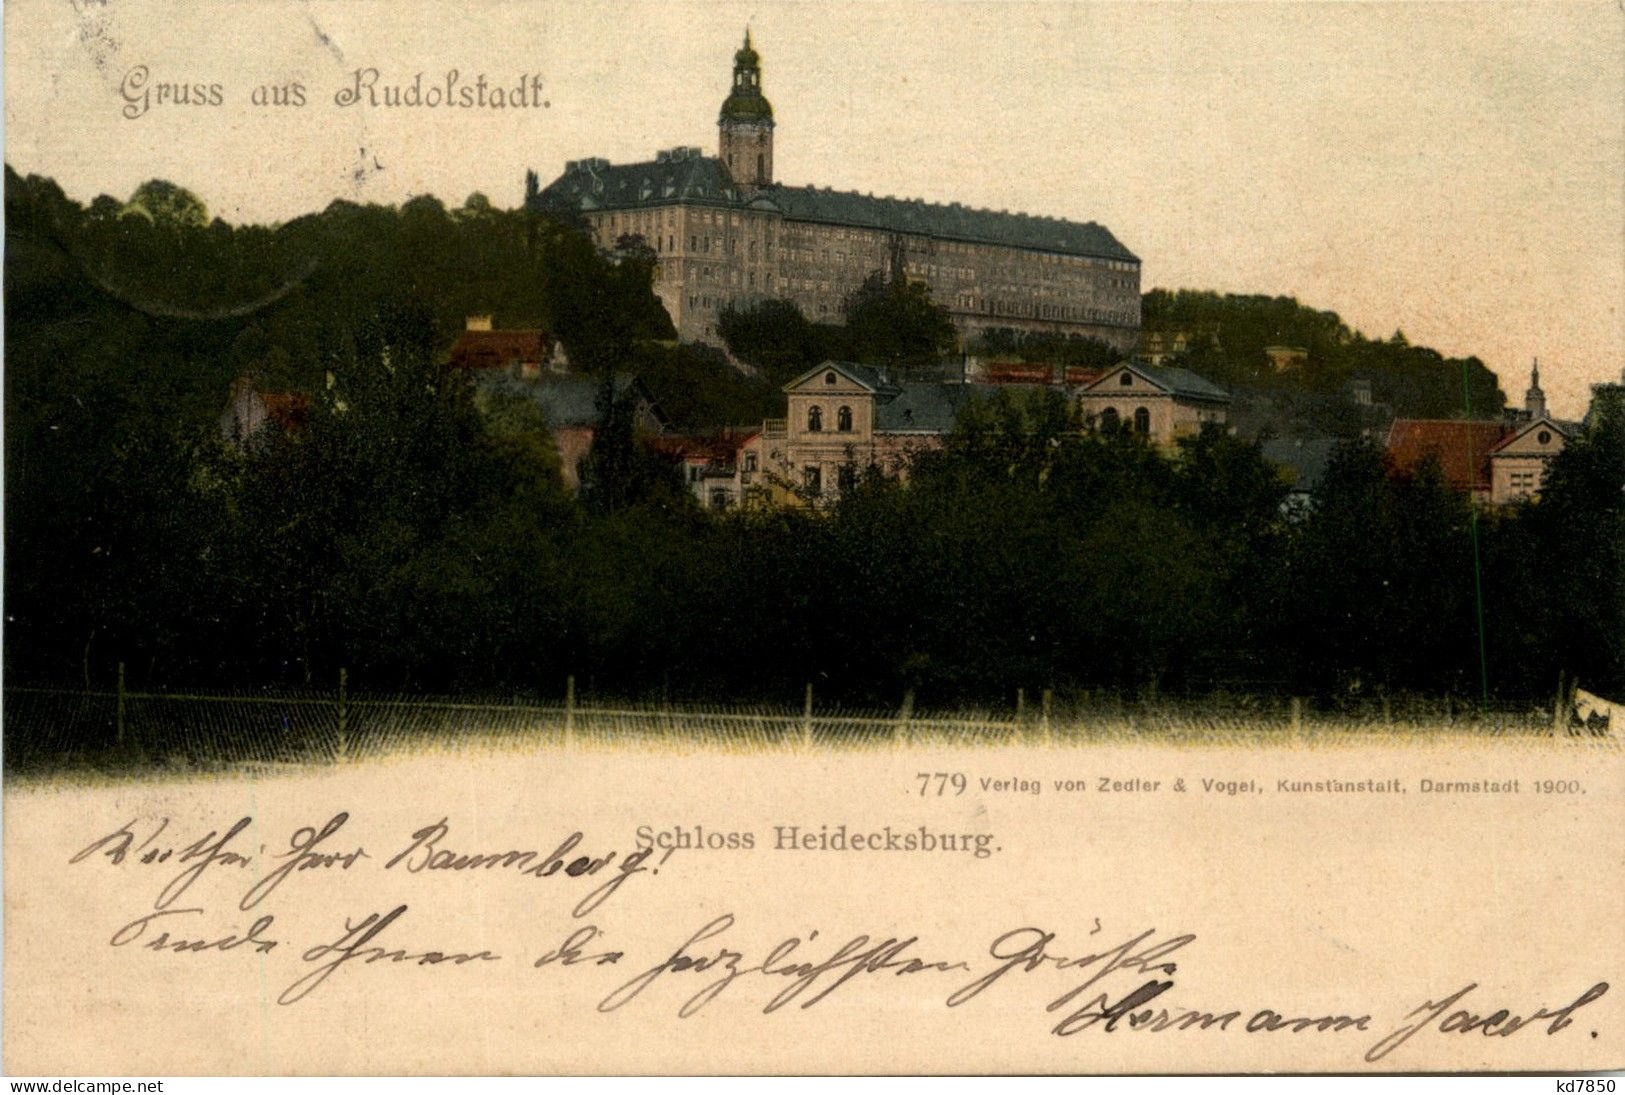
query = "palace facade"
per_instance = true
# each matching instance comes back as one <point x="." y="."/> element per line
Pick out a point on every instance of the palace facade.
<point x="727" y="233"/>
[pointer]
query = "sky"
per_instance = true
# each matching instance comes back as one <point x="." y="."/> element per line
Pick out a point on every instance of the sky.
<point x="1456" y="171"/>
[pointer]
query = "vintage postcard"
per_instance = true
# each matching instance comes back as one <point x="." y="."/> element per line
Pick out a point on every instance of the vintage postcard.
<point x="813" y="538"/>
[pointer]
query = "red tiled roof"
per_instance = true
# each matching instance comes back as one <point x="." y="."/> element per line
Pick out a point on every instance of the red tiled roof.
<point x="1462" y="448"/>
<point x="712" y="448"/>
<point x="1079" y="374"/>
<point x="1008" y="372"/>
<point x="1012" y="373"/>
<point x="287" y="409"/>
<point x="494" y="349"/>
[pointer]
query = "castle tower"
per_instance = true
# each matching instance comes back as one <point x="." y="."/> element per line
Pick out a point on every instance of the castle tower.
<point x="745" y="127"/>
<point x="1534" y="400"/>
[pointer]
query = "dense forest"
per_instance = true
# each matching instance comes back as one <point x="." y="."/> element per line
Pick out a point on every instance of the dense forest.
<point x="420" y="537"/>
<point x="1229" y="334"/>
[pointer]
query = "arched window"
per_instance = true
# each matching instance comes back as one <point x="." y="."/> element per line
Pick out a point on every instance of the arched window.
<point x="815" y="419"/>
<point x="829" y="377"/>
<point x="1142" y="420"/>
<point x="1126" y="379"/>
<point x="761" y="168"/>
<point x="843" y="420"/>
<point x="1108" y="419"/>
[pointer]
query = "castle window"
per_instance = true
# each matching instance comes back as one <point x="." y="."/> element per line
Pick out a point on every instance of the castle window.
<point x="1142" y="420"/>
<point x="1108" y="419"/>
<point x="815" y="419"/>
<point x="693" y="243"/>
<point x="1544" y="437"/>
<point x="813" y="476"/>
<point x="843" y="420"/>
<point x="750" y="461"/>
<point x="1126" y="380"/>
<point x="829" y="377"/>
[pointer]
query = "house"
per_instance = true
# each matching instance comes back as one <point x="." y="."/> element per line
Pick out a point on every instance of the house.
<point x="1519" y="460"/>
<point x="574" y="410"/>
<point x="1283" y="358"/>
<point x="249" y="412"/>
<point x="1161" y="401"/>
<point x="710" y="464"/>
<point x="1495" y="462"/>
<point x="521" y="353"/>
<point x="843" y="418"/>
<point x="1157" y="347"/>
<point x="1301" y="463"/>
<point x="1461" y="448"/>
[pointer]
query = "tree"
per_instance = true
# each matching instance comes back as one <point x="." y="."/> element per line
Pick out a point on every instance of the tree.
<point x="773" y="335"/>
<point x="894" y="322"/>
<point x="165" y="204"/>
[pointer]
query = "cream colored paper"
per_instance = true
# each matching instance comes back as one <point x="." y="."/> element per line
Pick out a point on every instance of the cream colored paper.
<point x="1309" y="904"/>
<point x="1337" y="920"/>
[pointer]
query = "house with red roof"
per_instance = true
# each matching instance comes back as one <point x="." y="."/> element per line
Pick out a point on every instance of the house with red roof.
<point x="1495" y="462"/>
<point x="712" y="464"/>
<point x="520" y="352"/>
<point x="249" y="413"/>
<point x="1460" y="447"/>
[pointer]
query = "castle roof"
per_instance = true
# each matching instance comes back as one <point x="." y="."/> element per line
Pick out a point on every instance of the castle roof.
<point x="952" y="221"/>
<point x="684" y="175"/>
<point x="679" y="175"/>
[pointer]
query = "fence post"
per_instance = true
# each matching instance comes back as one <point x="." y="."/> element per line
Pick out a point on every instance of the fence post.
<point x="344" y="695"/>
<point x="1557" y="702"/>
<point x="121" y="703"/>
<point x="1021" y="704"/>
<point x="1048" y="704"/>
<point x="569" y="711"/>
<point x="905" y="715"/>
<point x="807" y="720"/>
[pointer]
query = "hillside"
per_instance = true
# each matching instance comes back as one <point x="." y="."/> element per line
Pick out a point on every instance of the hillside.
<point x="1310" y="392"/>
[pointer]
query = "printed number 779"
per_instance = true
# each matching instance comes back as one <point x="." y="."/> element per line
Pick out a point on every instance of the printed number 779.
<point x="943" y="781"/>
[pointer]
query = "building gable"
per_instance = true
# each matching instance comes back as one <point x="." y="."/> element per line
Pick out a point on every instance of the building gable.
<point x="1139" y="382"/>
<point x="838" y="378"/>
<point x="1542" y="438"/>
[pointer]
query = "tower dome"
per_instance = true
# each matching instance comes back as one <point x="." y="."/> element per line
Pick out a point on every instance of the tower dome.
<point x="745" y="102"/>
<point x="745" y="126"/>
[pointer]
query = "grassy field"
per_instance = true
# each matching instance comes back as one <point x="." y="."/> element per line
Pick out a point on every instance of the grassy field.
<point x="55" y="729"/>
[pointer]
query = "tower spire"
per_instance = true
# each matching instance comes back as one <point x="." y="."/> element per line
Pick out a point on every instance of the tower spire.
<point x="1534" y="400"/>
<point x="746" y="123"/>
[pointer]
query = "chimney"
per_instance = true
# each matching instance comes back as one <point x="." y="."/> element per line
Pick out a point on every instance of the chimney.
<point x="479" y="323"/>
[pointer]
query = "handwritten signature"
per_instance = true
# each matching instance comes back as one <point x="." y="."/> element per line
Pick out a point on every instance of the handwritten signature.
<point x="1129" y="985"/>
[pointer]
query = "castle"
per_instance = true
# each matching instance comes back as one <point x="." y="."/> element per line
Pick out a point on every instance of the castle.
<point x="726" y="233"/>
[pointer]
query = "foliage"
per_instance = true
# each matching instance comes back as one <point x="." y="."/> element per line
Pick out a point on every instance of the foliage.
<point x="415" y="530"/>
<point x="1033" y="346"/>
<point x="1230" y="332"/>
<point x="893" y="321"/>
